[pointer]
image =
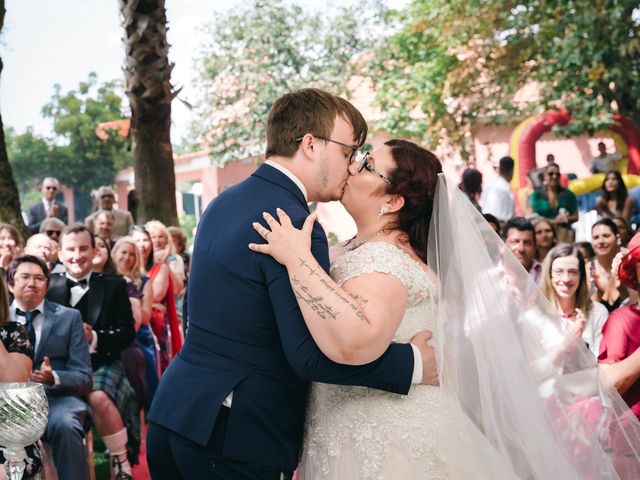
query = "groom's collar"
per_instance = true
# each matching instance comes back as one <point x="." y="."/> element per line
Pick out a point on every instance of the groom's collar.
<point x="291" y="176"/>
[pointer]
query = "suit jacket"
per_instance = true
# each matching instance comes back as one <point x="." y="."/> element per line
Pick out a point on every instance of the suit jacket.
<point x="108" y="312"/>
<point x="62" y="339"/>
<point x="247" y="335"/>
<point x="37" y="214"/>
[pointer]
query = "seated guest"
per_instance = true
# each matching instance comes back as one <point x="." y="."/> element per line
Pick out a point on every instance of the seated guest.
<point x="471" y="186"/>
<point x="11" y="244"/>
<point x="109" y="328"/>
<point x="16" y="355"/>
<point x="41" y="246"/>
<point x="61" y="362"/>
<point x="520" y="236"/>
<point x="586" y="249"/>
<point x="621" y="332"/>
<point x="606" y="244"/>
<point x="555" y="203"/>
<point x="614" y="200"/>
<point x="103" y="226"/>
<point x="564" y="283"/>
<point x="624" y="229"/>
<point x="545" y="238"/>
<point x="122" y="220"/>
<point x="48" y="207"/>
<point x="52" y="228"/>
<point x="127" y="260"/>
<point x="164" y="317"/>
<point x="102" y="262"/>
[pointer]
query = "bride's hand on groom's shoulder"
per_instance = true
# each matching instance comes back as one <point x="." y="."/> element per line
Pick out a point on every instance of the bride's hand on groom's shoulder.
<point x="428" y="353"/>
<point x="284" y="242"/>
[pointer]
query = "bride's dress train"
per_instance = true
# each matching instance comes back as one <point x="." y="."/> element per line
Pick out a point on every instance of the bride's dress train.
<point x="361" y="433"/>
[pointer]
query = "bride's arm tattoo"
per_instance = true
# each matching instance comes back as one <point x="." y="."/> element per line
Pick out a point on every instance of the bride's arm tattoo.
<point x="316" y="302"/>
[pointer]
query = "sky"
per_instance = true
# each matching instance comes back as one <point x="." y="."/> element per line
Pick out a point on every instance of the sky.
<point x="48" y="42"/>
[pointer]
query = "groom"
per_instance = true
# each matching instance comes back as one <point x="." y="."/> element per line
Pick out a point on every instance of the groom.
<point x="232" y="403"/>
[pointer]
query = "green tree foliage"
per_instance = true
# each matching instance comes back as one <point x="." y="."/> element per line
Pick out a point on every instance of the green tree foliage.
<point x="459" y="63"/>
<point x="261" y="50"/>
<point x="77" y="156"/>
<point x="32" y="158"/>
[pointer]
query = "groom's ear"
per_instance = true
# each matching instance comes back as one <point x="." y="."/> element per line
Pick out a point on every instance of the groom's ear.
<point x="395" y="203"/>
<point x="307" y="144"/>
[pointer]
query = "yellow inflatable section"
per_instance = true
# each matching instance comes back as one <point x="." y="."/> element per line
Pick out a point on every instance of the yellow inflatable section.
<point x="580" y="186"/>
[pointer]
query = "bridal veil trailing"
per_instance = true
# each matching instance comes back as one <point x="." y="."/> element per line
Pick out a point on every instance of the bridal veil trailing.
<point x="530" y="387"/>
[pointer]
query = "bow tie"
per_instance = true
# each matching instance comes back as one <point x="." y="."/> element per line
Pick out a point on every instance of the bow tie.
<point x="80" y="283"/>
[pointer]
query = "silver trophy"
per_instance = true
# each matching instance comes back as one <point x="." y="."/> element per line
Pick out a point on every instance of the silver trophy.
<point x="24" y="412"/>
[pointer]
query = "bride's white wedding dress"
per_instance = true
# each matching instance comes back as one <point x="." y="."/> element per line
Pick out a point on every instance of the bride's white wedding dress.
<point x="362" y="433"/>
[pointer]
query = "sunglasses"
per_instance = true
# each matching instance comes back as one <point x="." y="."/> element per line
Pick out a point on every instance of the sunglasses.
<point x="52" y="233"/>
<point x="51" y="188"/>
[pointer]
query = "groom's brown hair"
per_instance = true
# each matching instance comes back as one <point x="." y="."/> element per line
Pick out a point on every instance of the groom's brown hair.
<point x="309" y="110"/>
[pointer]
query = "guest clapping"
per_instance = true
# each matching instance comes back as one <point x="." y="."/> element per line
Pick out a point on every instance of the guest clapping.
<point x="564" y="283"/>
<point x="615" y="201"/>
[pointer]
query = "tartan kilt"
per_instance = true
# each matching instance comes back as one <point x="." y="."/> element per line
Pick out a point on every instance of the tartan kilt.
<point x="112" y="380"/>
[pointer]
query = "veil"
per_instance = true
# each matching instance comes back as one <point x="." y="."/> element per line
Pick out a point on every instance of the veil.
<point x="530" y="387"/>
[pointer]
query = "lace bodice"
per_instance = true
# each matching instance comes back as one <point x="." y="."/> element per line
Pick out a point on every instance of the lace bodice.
<point x="357" y="432"/>
<point x="385" y="258"/>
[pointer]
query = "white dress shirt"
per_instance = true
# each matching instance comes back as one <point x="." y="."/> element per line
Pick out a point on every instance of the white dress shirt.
<point x="77" y="292"/>
<point x="497" y="199"/>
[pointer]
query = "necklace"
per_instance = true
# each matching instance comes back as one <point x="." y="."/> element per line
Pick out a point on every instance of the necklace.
<point x="370" y="237"/>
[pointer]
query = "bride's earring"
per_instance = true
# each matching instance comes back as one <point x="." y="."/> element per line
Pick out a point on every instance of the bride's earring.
<point x="383" y="210"/>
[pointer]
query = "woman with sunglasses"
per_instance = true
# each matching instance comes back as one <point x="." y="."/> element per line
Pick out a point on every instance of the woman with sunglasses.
<point x="555" y="203"/>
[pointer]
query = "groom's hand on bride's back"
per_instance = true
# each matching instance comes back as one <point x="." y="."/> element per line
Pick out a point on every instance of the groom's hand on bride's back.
<point x="428" y="353"/>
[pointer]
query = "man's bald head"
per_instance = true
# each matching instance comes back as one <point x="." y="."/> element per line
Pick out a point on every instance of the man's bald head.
<point x="41" y="246"/>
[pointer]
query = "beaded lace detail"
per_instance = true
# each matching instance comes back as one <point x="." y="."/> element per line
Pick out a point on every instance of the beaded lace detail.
<point x="378" y="434"/>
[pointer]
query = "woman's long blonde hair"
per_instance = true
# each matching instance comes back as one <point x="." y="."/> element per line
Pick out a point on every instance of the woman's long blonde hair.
<point x="135" y="274"/>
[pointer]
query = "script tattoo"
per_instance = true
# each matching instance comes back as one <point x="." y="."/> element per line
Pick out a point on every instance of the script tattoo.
<point x="315" y="303"/>
<point x="303" y="294"/>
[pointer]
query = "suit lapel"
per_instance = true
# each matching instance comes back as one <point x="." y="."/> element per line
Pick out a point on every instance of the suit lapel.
<point x="47" y="324"/>
<point x="58" y="291"/>
<point x="95" y="297"/>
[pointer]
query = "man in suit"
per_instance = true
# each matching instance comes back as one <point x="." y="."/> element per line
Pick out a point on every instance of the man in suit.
<point x="48" y="207"/>
<point x="122" y="220"/>
<point x="61" y="362"/>
<point x="232" y="403"/>
<point x="104" y="305"/>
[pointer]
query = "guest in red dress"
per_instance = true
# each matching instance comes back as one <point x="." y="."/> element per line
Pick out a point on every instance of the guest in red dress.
<point x="621" y="332"/>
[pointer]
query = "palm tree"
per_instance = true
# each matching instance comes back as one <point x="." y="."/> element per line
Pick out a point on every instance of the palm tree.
<point x="9" y="198"/>
<point x="148" y="73"/>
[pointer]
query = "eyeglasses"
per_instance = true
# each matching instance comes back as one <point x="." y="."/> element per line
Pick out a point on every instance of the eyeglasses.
<point x="353" y="148"/>
<point x="107" y="195"/>
<point x="51" y="233"/>
<point x="556" y="273"/>
<point x="364" y="164"/>
<point x="553" y="174"/>
<point x="24" y="278"/>
<point x="51" y="188"/>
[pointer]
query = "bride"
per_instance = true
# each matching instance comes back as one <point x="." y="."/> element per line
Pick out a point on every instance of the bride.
<point x="529" y="408"/>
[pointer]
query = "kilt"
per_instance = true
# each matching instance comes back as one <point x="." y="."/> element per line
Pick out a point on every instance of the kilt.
<point x="112" y="380"/>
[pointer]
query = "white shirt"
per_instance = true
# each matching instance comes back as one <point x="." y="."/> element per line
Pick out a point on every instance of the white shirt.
<point x="36" y="323"/>
<point x="77" y="292"/>
<point x="497" y="199"/>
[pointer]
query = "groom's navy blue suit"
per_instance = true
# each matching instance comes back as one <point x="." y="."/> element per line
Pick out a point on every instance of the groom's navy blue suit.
<point x="247" y="336"/>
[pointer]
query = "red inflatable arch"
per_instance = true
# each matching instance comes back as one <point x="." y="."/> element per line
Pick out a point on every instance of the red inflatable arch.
<point x="524" y="138"/>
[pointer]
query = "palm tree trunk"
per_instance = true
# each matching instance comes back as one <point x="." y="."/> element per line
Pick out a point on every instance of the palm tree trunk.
<point x="9" y="198"/>
<point x="148" y="74"/>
